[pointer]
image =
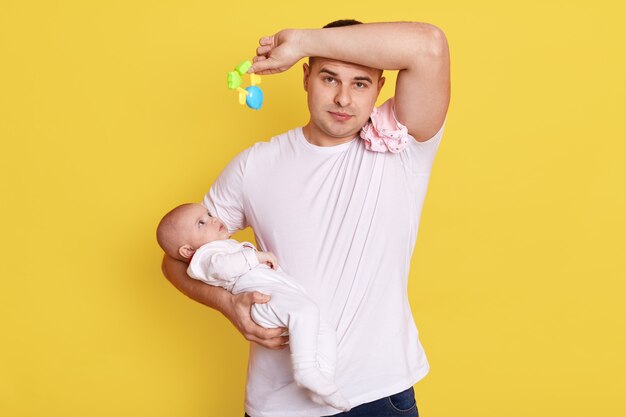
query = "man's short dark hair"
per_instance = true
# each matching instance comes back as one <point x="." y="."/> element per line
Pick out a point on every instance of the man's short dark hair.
<point x="342" y="22"/>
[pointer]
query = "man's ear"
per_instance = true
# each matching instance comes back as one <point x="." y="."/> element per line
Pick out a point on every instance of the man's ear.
<point x="381" y="82"/>
<point x="306" y="72"/>
<point x="186" y="251"/>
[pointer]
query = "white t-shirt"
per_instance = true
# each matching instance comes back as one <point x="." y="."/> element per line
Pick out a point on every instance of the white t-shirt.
<point x="343" y="221"/>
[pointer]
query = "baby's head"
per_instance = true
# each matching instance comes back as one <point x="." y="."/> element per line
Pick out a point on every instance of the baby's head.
<point x="186" y="228"/>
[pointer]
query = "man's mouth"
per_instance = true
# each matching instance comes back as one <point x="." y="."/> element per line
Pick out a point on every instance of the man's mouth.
<point x="340" y="116"/>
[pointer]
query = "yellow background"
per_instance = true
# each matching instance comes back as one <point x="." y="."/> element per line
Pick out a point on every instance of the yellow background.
<point x="112" y="112"/>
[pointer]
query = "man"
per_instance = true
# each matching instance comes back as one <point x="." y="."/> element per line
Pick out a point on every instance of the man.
<point x="340" y="214"/>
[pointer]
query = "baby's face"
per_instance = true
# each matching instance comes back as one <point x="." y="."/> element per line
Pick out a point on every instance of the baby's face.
<point x="196" y="227"/>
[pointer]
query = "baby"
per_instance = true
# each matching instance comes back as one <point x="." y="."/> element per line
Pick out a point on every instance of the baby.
<point x="190" y="234"/>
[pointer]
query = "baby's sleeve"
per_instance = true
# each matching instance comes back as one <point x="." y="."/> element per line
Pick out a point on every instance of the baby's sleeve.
<point x="215" y="265"/>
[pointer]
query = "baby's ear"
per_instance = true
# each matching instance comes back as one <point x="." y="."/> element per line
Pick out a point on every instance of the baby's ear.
<point x="186" y="251"/>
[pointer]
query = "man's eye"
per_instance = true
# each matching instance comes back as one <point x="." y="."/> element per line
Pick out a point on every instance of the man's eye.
<point x="360" y="85"/>
<point x="329" y="79"/>
<point x="201" y="222"/>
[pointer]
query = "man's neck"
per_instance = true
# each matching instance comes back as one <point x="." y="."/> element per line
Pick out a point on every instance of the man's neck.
<point x="314" y="137"/>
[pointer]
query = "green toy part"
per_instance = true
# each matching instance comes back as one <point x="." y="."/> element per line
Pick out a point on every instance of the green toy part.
<point x="251" y="96"/>
<point x="243" y="67"/>
<point x="234" y="80"/>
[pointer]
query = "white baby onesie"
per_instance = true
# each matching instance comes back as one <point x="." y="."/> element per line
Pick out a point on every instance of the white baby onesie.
<point x="235" y="267"/>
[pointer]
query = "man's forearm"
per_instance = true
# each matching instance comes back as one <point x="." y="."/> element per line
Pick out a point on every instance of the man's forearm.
<point x="235" y="308"/>
<point x="176" y="272"/>
<point x="419" y="51"/>
<point x="392" y="46"/>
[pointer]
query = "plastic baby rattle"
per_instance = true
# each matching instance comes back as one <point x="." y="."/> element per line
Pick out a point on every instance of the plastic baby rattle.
<point x="253" y="95"/>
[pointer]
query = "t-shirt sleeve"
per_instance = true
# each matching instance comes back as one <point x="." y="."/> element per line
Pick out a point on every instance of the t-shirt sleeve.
<point x="421" y="155"/>
<point x="225" y="198"/>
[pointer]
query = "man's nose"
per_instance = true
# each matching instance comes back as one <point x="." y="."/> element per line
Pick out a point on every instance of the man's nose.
<point x="342" y="99"/>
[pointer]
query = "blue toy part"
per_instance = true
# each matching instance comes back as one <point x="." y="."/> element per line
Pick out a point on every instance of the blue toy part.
<point x="254" y="98"/>
<point x="253" y="95"/>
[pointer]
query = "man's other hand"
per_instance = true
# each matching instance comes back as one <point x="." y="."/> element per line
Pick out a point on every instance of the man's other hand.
<point x="238" y="312"/>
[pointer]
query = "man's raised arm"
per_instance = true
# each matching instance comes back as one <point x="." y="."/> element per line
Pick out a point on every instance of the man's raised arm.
<point x="236" y="308"/>
<point x="419" y="51"/>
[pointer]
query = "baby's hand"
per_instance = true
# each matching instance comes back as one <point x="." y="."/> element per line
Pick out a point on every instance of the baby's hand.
<point x="267" y="258"/>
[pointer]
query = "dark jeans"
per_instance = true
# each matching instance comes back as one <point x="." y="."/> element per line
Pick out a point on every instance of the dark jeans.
<point x="400" y="404"/>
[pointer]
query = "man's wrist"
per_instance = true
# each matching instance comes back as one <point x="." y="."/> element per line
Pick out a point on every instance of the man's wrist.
<point x="225" y="303"/>
<point x="302" y="41"/>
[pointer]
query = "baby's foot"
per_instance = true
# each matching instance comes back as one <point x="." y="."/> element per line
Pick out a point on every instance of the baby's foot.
<point x="323" y="391"/>
<point x="312" y="379"/>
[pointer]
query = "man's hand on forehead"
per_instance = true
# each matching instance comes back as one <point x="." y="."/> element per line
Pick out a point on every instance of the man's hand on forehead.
<point x="277" y="53"/>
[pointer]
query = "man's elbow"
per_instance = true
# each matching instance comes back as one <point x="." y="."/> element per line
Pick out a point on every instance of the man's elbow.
<point x="439" y="42"/>
<point x="429" y="40"/>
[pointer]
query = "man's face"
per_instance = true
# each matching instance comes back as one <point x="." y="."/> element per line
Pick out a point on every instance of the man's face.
<point x="198" y="227"/>
<point x="341" y="97"/>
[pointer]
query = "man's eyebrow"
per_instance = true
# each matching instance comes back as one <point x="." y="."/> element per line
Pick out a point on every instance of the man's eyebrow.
<point x="334" y="74"/>
<point x="363" y="78"/>
<point x="358" y="78"/>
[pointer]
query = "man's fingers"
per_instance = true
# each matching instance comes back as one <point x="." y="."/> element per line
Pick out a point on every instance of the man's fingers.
<point x="277" y="343"/>
<point x="267" y="71"/>
<point x="266" y="334"/>
<point x="266" y="66"/>
<point x="259" y="66"/>
<point x="272" y="333"/>
<point x="271" y="338"/>
<point x="268" y="338"/>
<point x="266" y="40"/>
<point x="262" y="50"/>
